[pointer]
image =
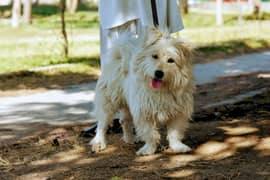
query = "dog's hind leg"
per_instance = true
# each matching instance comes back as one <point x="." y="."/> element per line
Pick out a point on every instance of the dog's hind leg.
<point x="149" y="134"/>
<point x="127" y="125"/>
<point x="98" y="143"/>
<point x="176" y="130"/>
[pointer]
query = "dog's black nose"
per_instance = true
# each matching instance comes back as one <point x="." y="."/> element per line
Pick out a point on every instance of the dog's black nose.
<point x="159" y="74"/>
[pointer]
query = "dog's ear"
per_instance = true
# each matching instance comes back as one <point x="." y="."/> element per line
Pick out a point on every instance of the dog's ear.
<point x="150" y="36"/>
<point x="185" y="49"/>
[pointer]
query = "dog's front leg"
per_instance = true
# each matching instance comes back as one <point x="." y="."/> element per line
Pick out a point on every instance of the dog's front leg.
<point x="149" y="134"/>
<point x="127" y="126"/>
<point x="98" y="143"/>
<point x="176" y="130"/>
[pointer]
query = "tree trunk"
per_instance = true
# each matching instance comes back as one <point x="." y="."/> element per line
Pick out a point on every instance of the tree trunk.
<point x="219" y="17"/>
<point x="72" y="5"/>
<point x="240" y="12"/>
<point x="257" y="8"/>
<point x="184" y="6"/>
<point x="16" y="13"/>
<point x="63" y="27"/>
<point x="27" y="11"/>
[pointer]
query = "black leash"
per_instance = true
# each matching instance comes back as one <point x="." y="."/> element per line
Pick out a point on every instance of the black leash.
<point x="154" y="13"/>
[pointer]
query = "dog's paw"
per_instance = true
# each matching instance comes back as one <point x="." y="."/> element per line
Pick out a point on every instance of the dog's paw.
<point x="97" y="144"/>
<point x="180" y="148"/>
<point x="128" y="139"/>
<point x="146" y="150"/>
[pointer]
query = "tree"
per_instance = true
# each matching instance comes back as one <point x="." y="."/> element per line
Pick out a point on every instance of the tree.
<point x="16" y="13"/>
<point x="219" y="17"/>
<point x="240" y="12"/>
<point x="27" y="11"/>
<point x="63" y="27"/>
<point x="72" y="5"/>
<point x="256" y="8"/>
<point x="184" y="6"/>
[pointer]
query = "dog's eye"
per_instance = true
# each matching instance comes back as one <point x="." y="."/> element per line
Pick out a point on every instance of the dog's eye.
<point x="155" y="56"/>
<point x="170" y="60"/>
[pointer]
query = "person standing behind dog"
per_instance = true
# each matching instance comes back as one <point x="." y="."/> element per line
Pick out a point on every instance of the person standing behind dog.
<point x="117" y="16"/>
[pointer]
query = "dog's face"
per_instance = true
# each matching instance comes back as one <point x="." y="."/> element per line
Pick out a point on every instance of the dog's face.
<point x="163" y="62"/>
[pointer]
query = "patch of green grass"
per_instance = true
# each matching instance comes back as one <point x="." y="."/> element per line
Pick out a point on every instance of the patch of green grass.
<point x="22" y="64"/>
<point x="92" y="61"/>
<point x="230" y="48"/>
<point x="77" y="20"/>
<point x="194" y="20"/>
<point x="261" y="16"/>
<point x="43" y="10"/>
<point x="22" y="56"/>
<point x="84" y="65"/>
<point x="210" y="35"/>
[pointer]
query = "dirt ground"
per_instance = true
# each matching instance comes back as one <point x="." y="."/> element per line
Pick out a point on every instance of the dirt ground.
<point x="228" y="142"/>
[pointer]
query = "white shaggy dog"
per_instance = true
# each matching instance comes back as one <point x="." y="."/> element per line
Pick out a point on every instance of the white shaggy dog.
<point x="149" y="80"/>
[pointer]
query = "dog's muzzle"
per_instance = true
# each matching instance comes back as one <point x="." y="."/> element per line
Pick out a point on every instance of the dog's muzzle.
<point x="159" y="74"/>
<point x="157" y="81"/>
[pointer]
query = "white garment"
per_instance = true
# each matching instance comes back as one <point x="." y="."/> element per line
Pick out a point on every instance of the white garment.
<point x="118" y="16"/>
<point x="113" y="13"/>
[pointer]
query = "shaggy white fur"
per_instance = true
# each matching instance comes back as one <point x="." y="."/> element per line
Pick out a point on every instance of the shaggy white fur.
<point x="149" y="80"/>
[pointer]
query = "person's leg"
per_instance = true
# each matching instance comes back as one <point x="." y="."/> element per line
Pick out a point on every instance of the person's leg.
<point x="104" y="45"/>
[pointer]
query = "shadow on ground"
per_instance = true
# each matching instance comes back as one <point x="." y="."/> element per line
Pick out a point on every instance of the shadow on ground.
<point x="35" y="80"/>
<point x="233" y="146"/>
<point x="73" y="104"/>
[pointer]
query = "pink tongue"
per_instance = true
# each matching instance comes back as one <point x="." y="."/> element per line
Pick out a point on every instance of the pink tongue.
<point x="156" y="83"/>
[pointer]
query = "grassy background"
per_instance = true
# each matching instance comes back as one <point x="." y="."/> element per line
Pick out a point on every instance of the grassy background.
<point x="41" y="45"/>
